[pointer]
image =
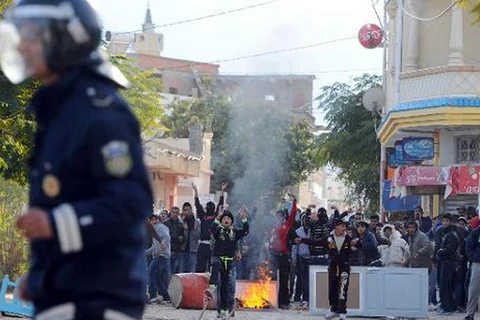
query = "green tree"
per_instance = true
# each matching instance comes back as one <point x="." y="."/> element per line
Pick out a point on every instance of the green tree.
<point x="213" y="112"/>
<point x="17" y="124"/>
<point x="352" y="145"/>
<point x="13" y="246"/>
<point x="143" y="95"/>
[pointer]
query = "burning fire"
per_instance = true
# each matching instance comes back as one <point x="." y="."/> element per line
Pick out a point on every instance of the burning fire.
<point x="256" y="295"/>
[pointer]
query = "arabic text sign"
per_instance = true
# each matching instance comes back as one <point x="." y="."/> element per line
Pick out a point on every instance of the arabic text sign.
<point x="423" y="176"/>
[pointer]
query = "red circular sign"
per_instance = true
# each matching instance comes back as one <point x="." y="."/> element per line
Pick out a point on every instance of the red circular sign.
<point x="370" y="36"/>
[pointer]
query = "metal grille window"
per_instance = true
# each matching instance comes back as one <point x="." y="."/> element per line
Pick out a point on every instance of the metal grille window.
<point x="468" y="149"/>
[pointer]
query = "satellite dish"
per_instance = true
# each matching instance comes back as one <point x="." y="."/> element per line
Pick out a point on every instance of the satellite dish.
<point x="374" y="99"/>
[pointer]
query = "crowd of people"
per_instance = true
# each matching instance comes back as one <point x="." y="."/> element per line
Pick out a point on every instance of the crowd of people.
<point x="214" y="241"/>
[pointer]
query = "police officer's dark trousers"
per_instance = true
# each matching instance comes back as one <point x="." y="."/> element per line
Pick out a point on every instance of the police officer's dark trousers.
<point x="338" y="281"/>
<point x="446" y="270"/>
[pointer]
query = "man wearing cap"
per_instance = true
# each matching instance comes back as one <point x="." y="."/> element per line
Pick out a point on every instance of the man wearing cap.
<point x="339" y="245"/>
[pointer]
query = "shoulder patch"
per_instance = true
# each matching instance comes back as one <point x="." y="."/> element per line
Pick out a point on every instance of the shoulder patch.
<point x="117" y="158"/>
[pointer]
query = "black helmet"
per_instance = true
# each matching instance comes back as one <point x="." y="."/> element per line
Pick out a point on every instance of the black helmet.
<point x="70" y="30"/>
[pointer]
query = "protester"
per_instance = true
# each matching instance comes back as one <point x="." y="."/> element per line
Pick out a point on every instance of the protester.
<point x="367" y="252"/>
<point x="191" y="225"/>
<point x="381" y="240"/>
<point x="425" y="221"/>
<point x="280" y="251"/>
<point x="421" y="248"/>
<point x="319" y="230"/>
<point x="473" y="253"/>
<point x="206" y="217"/>
<point x="357" y="217"/>
<point x="301" y="256"/>
<point x="225" y="248"/>
<point x="89" y="189"/>
<point x="396" y="253"/>
<point x="374" y="220"/>
<point x="339" y="246"/>
<point x="446" y="252"/>
<point x="159" y="270"/>
<point x="462" y="265"/>
<point x="177" y="236"/>
<point x="337" y="216"/>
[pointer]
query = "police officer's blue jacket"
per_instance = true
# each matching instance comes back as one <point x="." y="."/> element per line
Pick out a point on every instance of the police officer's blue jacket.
<point x="87" y="172"/>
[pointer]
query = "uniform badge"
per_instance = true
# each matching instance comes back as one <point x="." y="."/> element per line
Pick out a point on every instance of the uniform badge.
<point x="51" y="186"/>
<point x="117" y="158"/>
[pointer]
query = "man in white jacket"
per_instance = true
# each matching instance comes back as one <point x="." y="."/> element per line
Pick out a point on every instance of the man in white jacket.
<point x="395" y="254"/>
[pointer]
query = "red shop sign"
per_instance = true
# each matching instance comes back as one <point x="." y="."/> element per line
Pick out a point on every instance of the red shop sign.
<point x="370" y="36"/>
<point x="423" y="176"/>
<point x="468" y="179"/>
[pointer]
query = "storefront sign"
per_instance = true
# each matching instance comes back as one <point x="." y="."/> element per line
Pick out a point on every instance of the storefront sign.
<point x="418" y="149"/>
<point x="423" y="176"/>
<point x="468" y="179"/>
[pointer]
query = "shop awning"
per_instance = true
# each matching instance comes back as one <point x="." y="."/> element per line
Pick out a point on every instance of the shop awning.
<point x="448" y="181"/>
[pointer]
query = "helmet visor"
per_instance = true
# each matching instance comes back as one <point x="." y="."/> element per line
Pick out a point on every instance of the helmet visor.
<point x="11" y="60"/>
<point x="22" y="48"/>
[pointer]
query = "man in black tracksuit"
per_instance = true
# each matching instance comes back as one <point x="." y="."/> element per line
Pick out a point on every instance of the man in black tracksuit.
<point x="339" y="245"/>
<point x="204" y="253"/>
<point x="226" y="244"/>
<point x="446" y="252"/>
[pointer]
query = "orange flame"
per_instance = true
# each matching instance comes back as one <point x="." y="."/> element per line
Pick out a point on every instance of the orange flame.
<point x="256" y="295"/>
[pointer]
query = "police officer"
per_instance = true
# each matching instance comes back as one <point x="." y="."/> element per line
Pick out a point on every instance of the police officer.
<point x="89" y="189"/>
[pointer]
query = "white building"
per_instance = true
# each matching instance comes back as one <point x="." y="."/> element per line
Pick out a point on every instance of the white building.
<point x="433" y="91"/>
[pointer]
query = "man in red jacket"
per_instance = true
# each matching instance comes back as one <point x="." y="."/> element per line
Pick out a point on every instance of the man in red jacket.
<point x="281" y="252"/>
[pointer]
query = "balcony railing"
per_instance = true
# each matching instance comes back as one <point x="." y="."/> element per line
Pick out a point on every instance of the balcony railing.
<point x="439" y="83"/>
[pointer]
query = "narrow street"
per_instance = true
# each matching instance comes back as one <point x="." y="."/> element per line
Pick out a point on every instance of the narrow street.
<point x="168" y="313"/>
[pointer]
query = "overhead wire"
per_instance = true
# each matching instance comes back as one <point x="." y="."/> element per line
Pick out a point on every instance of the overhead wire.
<point x="256" y="55"/>
<point x="212" y="15"/>
<point x="374" y="6"/>
<point x="436" y="17"/>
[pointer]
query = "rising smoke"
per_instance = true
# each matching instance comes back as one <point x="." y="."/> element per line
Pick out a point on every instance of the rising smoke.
<point x="257" y="132"/>
<point x="257" y="138"/>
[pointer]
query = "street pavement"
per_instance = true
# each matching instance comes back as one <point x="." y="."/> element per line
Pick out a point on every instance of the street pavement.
<point x="157" y="312"/>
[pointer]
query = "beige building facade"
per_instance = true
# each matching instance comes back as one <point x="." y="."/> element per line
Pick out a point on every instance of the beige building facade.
<point x="433" y="91"/>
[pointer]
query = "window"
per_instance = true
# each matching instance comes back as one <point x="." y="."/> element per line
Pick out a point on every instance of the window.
<point x="468" y="149"/>
<point x="172" y="90"/>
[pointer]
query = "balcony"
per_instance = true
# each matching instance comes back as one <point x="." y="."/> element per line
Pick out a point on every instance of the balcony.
<point x="424" y="88"/>
<point x="434" y="99"/>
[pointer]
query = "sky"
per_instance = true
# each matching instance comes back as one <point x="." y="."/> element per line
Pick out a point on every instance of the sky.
<point x="281" y="25"/>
